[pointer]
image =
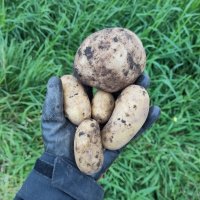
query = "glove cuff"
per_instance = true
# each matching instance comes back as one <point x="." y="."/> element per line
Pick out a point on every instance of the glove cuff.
<point x="70" y="180"/>
<point x="64" y="178"/>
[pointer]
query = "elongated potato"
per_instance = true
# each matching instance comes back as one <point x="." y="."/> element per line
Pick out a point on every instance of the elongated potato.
<point x="102" y="106"/>
<point x="130" y="113"/>
<point x="76" y="102"/>
<point x="88" y="148"/>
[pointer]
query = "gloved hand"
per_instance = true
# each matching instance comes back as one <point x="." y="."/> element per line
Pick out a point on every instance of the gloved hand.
<point x="57" y="165"/>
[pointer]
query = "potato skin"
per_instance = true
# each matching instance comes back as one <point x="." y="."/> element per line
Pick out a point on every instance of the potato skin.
<point x="76" y="102"/>
<point x="110" y="59"/>
<point x="102" y="106"/>
<point x="130" y="113"/>
<point x="88" y="148"/>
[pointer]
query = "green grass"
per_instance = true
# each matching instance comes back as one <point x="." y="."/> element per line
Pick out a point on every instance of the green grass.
<point x="39" y="39"/>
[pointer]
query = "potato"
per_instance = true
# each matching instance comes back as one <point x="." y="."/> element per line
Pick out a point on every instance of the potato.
<point x="130" y="113"/>
<point x="88" y="148"/>
<point x="76" y="102"/>
<point x="102" y="106"/>
<point x="110" y="59"/>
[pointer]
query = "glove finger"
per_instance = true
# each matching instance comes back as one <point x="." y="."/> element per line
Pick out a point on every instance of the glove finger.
<point x="53" y="105"/>
<point x="143" y="80"/>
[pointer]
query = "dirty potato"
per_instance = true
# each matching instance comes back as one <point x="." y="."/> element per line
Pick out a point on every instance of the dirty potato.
<point x="88" y="148"/>
<point x="102" y="106"/>
<point x="76" y="102"/>
<point x="110" y="59"/>
<point x="130" y="113"/>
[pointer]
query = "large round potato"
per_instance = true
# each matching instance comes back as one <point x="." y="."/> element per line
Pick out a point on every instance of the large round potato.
<point x="88" y="148"/>
<point x="110" y="59"/>
<point x="76" y="102"/>
<point x="130" y="113"/>
<point x="102" y="106"/>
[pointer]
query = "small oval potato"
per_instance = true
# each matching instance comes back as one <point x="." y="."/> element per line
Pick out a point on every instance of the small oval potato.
<point x="130" y="113"/>
<point x="76" y="102"/>
<point x="88" y="148"/>
<point x="102" y="106"/>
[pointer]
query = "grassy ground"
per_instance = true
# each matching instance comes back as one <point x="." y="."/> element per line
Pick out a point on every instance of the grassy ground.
<point x="38" y="39"/>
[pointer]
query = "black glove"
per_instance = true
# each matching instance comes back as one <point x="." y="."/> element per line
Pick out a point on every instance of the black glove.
<point x="55" y="175"/>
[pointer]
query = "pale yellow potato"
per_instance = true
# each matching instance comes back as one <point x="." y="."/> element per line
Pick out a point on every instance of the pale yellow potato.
<point x="130" y="113"/>
<point x="88" y="149"/>
<point x="110" y="59"/>
<point x="77" y="105"/>
<point x="102" y="106"/>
